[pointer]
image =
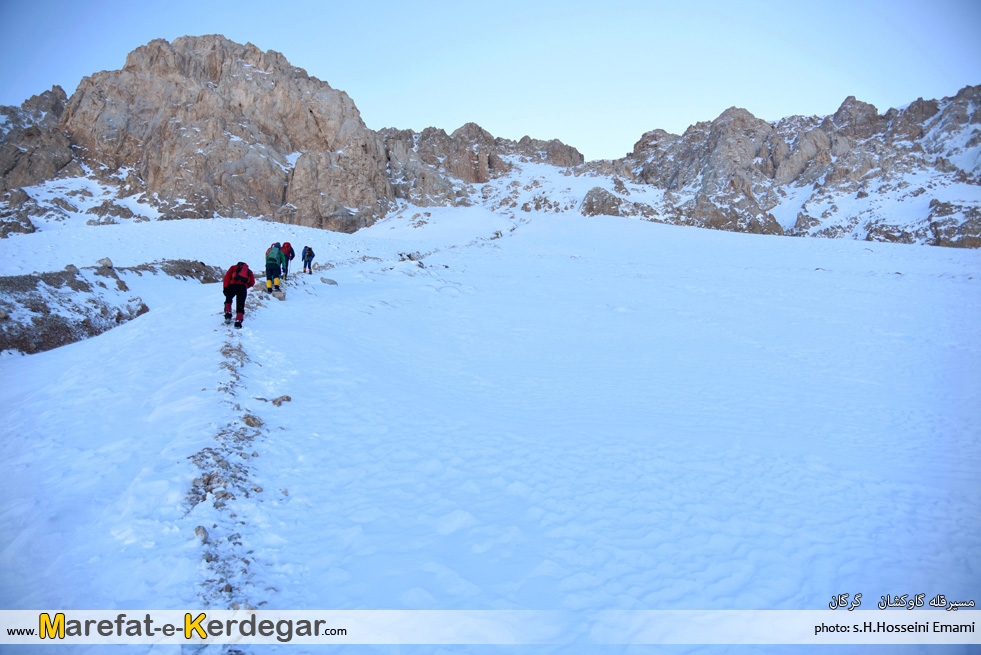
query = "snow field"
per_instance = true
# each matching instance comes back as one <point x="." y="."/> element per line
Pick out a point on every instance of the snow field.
<point x="97" y="434"/>
<point x="583" y="414"/>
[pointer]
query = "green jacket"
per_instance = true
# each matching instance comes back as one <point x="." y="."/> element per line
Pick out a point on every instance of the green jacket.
<point x="275" y="256"/>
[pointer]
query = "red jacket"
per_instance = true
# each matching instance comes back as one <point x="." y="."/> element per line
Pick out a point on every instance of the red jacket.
<point x="234" y="276"/>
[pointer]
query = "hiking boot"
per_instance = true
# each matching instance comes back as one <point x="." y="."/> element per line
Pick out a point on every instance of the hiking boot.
<point x="238" y="325"/>
<point x="228" y="318"/>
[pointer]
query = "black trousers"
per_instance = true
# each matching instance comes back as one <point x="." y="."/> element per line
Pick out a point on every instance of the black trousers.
<point x="273" y="272"/>
<point x="236" y="291"/>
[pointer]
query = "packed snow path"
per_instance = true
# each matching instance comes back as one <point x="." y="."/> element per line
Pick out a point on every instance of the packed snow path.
<point x="580" y="414"/>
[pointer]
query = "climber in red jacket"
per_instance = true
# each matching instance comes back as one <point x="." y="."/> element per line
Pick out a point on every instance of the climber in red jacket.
<point x="236" y="283"/>
<point x="290" y="254"/>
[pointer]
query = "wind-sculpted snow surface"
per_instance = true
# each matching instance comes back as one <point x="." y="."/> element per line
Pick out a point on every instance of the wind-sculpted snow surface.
<point x="545" y="412"/>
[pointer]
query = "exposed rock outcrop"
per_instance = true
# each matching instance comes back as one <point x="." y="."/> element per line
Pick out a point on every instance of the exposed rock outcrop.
<point x="54" y="309"/>
<point x="426" y="165"/>
<point x="48" y="310"/>
<point x="15" y="217"/>
<point x="598" y="201"/>
<point x="32" y="148"/>
<point x="955" y="225"/>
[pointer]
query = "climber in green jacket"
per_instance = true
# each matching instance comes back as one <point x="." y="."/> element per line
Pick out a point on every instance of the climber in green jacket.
<point x="275" y="261"/>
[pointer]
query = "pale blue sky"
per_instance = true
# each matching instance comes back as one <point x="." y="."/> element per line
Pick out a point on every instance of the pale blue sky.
<point x="596" y="75"/>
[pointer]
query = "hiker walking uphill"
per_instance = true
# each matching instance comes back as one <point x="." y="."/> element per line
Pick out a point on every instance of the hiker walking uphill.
<point x="275" y="261"/>
<point x="236" y="283"/>
<point x="307" y="257"/>
<point x="290" y="254"/>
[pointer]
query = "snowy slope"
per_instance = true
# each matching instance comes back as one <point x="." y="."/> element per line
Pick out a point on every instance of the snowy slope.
<point x="546" y="412"/>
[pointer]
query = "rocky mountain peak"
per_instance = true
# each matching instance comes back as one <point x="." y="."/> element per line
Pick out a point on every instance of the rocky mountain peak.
<point x="653" y="139"/>
<point x="475" y="134"/>
<point x="47" y="106"/>
<point x="203" y="126"/>
<point x="831" y="176"/>
<point x="735" y="115"/>
<point x="32" y="148"/>
<point x="206" y="59"/>
<point x="210" y="126"/>
<point x="856" y="120"/>
<point x="909" y="123"/>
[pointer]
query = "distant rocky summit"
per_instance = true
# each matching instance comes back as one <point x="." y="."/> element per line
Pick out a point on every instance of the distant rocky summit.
<point x="203" y="127"/>
<point x="841" y="175"/>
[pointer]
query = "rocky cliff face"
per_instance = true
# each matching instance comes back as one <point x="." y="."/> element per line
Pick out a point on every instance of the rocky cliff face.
<point x="203" y="126"/>
<point x="423" y="164"/>
<point x="211" y="127"/>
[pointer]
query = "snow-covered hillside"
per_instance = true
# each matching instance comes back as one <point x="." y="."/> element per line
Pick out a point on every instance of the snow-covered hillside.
<point x="541" y="412"/>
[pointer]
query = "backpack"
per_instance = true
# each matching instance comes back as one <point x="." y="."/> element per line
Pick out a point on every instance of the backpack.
<point x="241" y="274"/>
<point x="307" y="252"/>
<point x="287" y="249"/>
